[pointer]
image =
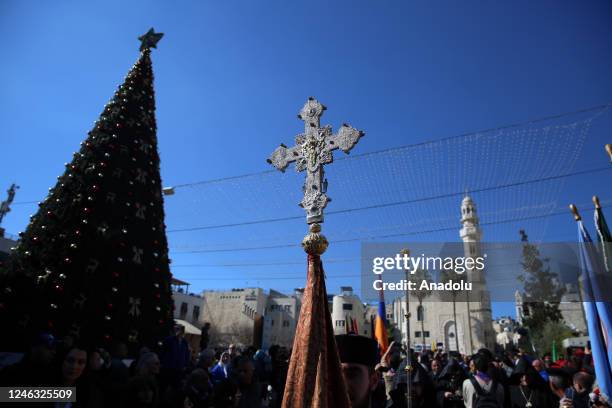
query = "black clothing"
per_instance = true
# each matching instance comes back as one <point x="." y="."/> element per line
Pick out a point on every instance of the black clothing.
<point x="538" y="397"/>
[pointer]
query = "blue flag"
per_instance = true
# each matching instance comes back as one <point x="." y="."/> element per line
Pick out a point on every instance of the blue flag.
<point x="598" y="313"/>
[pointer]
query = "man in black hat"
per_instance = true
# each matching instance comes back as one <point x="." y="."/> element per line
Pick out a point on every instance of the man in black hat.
<point x="359" y="356"/>
<point x="528" y="389"/>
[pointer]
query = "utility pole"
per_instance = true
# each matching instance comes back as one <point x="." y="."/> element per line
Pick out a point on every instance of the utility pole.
<point x="469" y="313"/>
<point x="406" y="252"/>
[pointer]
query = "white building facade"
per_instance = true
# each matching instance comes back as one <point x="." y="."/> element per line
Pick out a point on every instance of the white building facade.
<point x="280" y="319"/>
<point x="346" y="309"/>
<point x="188" y="307"/>
<point x="465" y="325"/>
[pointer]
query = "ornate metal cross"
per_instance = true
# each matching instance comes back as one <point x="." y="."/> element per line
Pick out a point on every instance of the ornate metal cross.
<point x="312" y="150"/>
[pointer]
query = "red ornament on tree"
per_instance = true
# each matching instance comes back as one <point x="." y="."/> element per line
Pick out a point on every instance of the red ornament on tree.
<point x="109" y="156"/>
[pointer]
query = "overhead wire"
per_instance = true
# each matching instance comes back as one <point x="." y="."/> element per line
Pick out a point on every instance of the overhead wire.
<point x="397" y="203"/>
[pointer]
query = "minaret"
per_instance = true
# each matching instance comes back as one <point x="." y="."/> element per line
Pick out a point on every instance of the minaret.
<point x="480" y="314"/>
<point x="471" y="234"/>
<point x="518" y="306"/>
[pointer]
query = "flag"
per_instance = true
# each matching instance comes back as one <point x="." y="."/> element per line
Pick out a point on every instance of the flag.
<point x="347" y="323"/>
<point x="598" y="313"/>
<point x="355" y="327"/>
<point x="603" y="235"/>
<point x="380" y="328"/>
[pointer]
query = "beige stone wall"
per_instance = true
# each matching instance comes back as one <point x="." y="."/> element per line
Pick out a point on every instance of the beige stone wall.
<point x="280" y="321"/>
<point x="232" y="315"/>
<point x="191" y="302"/>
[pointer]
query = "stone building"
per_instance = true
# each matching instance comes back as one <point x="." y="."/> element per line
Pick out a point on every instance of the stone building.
<point x="572" y="311"/>
<point x="570" y="308"/>
<point x="187" y="306"/>
<point x="347" y="306"/>
<point x="235" y="316"/>
<point x="433" y="323"/>
<point x="280" y="319"/>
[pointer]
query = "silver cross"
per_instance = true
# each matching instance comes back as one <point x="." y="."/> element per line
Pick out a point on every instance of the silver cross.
<point x="312" y="150"/>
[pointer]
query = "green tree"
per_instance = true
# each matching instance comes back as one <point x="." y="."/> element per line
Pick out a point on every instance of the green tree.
<point x="93" y="261"/>
<point x="549" y="333"/>
<point x="541" y="293"/>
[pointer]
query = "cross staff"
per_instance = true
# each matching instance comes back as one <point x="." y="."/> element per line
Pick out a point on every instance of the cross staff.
<point x="312" y="150"/>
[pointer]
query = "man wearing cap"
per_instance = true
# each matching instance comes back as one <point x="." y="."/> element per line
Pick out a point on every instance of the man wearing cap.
<point x="359" y="356"/>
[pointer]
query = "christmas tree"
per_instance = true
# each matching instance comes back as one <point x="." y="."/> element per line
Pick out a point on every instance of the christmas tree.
<point x="93" y="261"/>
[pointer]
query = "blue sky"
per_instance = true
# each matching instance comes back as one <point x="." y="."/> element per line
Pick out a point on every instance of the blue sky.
<point x="231" y="76"/>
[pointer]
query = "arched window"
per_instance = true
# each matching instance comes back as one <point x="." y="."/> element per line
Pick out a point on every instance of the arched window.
<point x="420" y="313"/>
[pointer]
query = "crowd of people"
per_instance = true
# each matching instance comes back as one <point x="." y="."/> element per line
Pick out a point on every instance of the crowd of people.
<point x="511" y="379"/>
<point x="173" y="376"/>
